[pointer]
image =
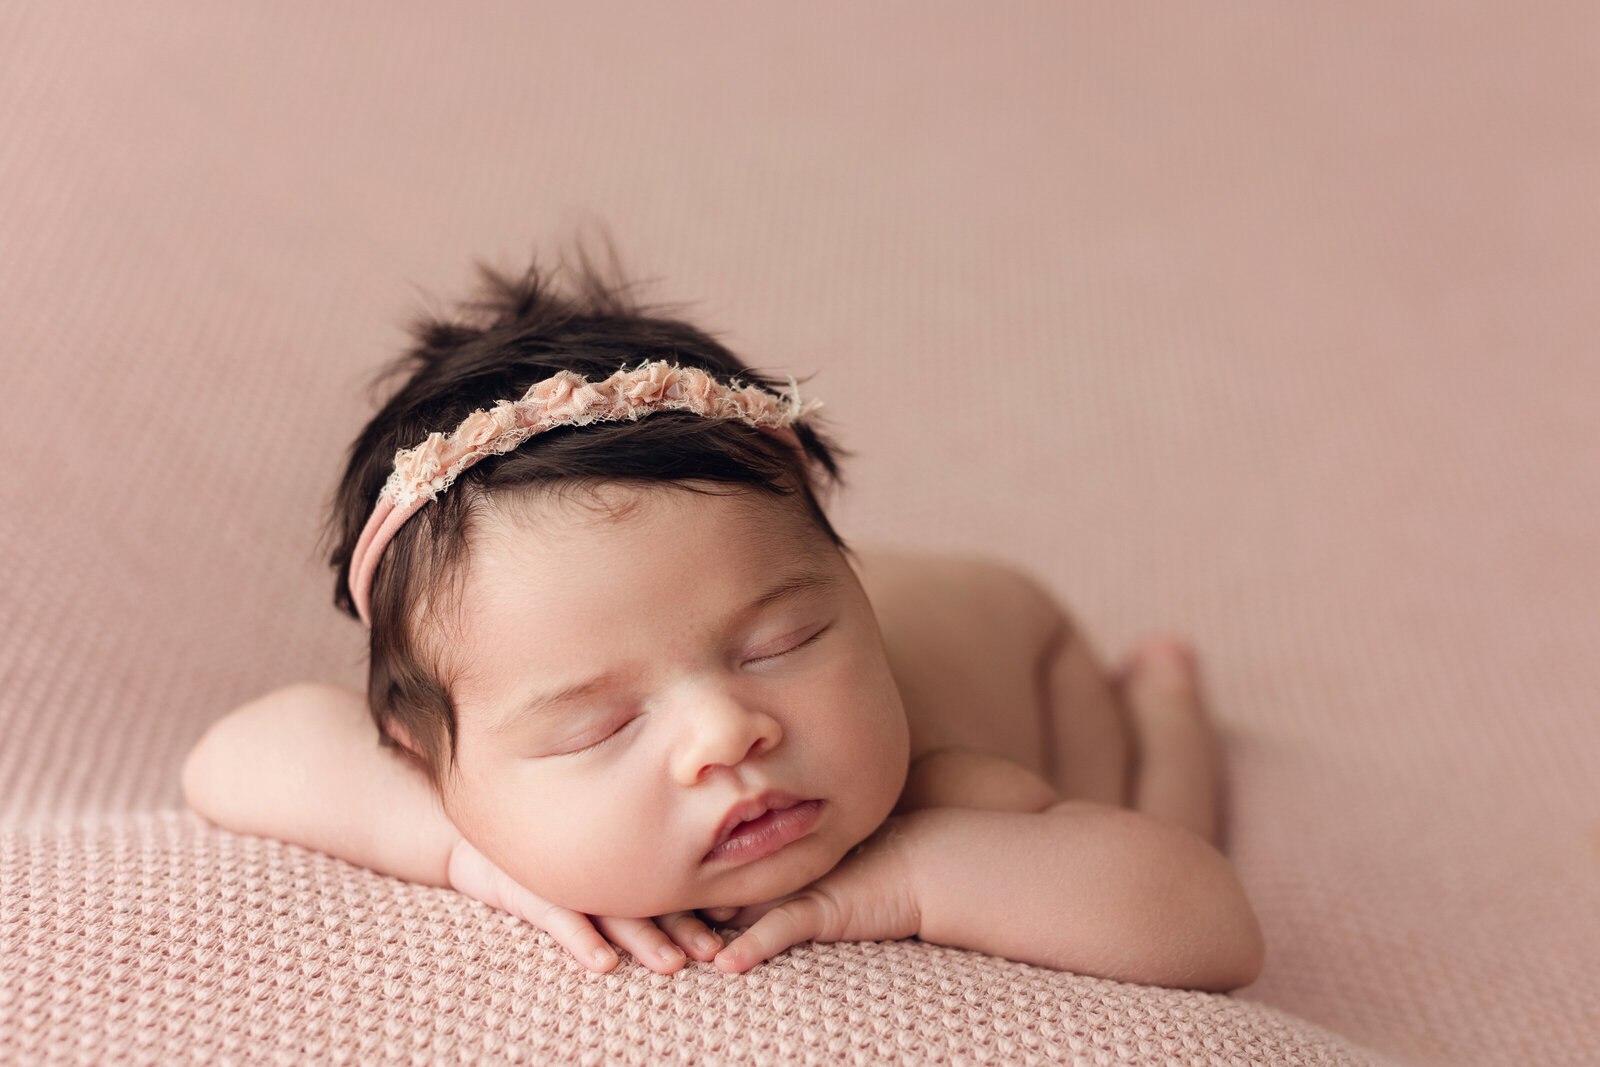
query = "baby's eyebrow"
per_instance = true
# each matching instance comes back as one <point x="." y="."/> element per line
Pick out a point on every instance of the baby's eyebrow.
<point x="545" y="703"/>
<point x="804" y="582"/>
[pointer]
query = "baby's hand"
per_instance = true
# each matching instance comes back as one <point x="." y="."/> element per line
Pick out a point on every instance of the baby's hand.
<point x="867" y="897"/>
<point x="658" y="943"/>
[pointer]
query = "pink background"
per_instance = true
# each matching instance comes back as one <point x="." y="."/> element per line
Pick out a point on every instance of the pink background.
<point x="1270" y="325"/>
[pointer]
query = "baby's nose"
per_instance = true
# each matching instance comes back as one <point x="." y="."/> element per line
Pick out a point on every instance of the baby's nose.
<point x="721" y="731"/>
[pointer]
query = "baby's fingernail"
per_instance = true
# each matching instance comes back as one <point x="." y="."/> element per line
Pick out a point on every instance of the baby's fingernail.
<point x="670" y="953"/>
<point x="602" y="957"/>
<point x="707" y="942"/>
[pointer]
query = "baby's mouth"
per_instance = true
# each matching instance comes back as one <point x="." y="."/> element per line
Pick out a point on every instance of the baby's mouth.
<point x="766" y="833"/>
<point x="749" y="809"/>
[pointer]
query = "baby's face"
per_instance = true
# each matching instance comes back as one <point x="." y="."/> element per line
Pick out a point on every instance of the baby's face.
<point x="626" y="678"/>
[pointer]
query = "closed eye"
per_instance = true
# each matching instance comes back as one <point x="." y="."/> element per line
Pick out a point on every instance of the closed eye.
<point x="597" y="744"/>
<point x="759" y="659"/>
<point x="790" y="649"/>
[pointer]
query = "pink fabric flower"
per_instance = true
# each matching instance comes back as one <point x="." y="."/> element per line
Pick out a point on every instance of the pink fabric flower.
<point x="647" y="384"/>
<point x="555" y="391"/>
<point x="419" y="464"/>
<point x="700" y="390"/>
<point x="481" y="427"/>
<point x="757" y="403"/>
<point x="423" y="472"/>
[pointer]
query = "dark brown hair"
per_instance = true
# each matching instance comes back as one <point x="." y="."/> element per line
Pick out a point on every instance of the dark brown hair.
<point x="520" y="330"/>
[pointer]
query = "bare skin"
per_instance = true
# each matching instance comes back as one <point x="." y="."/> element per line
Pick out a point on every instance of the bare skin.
<point x="1008" y="708"/>
<point x="989" y="666"/>
<point x="1006" y="705"/>
<point x="985" y="659"/>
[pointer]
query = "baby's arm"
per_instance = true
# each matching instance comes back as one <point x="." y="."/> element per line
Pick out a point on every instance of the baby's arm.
<point x="1080" y="886"/>
<point x="302" y="764"/>
<point x="1084" y="887"/>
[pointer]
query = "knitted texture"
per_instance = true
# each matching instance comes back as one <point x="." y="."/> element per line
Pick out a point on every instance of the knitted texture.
<point x="1272" y="325"/>
<point x="158" y="940"/>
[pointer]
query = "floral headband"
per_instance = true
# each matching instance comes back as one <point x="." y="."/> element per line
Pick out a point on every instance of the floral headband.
<point x="563" y="399"/>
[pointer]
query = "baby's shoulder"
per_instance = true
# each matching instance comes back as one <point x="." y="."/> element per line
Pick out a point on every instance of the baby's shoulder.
<point x="960" y="589"/>
<point x="965" y="637"/>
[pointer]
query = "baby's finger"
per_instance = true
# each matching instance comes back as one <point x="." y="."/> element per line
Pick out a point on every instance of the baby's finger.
<point x="788" y="924"/>
<point x="719" y="915"/>
<point x="574" y="932"/>
<point x="692" y="935"/>
<point x="645" y="940"/>
<point x="750" y="913"/>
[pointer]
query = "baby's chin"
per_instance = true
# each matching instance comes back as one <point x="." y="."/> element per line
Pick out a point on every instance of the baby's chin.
<point x="776" y="876"/>
<point x="758" y="882"/>
<point x="797" y="866"/>
<point x="610" y="891"/>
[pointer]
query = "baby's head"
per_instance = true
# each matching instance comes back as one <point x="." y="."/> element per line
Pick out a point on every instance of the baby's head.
<point x="599" y="643"/>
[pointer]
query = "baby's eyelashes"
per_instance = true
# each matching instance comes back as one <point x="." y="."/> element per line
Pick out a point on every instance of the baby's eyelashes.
<point x="784" y="651"/>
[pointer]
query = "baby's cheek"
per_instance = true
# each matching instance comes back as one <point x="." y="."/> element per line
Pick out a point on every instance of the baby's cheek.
<point x="542" y="842"/>
<point x="881" y="757"/>
<point x="592" y="849"/>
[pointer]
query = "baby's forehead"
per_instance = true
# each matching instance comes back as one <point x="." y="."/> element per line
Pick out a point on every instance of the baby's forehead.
<point x="591" y="514"/>
<point x="617" y="602"/>
<point x="598" y="502"/>
<point x="628" y="549"/>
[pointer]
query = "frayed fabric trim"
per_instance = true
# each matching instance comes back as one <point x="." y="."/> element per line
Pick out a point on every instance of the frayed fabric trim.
<point x="424" y="471"/>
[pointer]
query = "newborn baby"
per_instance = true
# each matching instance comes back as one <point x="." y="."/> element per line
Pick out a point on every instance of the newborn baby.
<point x="625" y="678"/>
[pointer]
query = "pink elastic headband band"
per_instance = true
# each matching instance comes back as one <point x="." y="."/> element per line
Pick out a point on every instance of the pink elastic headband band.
<point x="564" y="399"/>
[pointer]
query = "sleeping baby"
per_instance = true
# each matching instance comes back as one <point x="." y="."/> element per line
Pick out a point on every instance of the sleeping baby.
<point x="628" y="683"/>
